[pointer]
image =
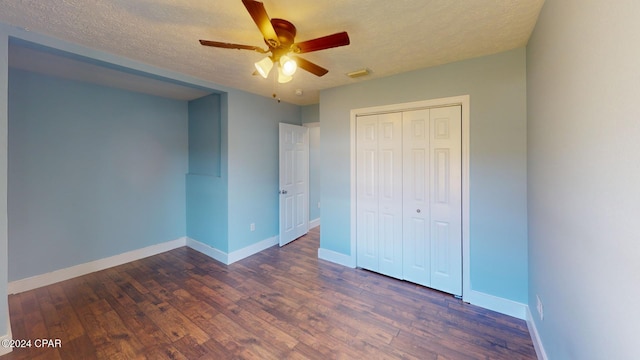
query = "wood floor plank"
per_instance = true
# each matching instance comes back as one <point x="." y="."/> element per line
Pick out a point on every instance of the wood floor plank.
<point x="52" y="319"/>
<point x="119" y="340"/>
<point x="72" y="326"/>
<point x="280" y="340"/>
<point x="172" y="322"/>
<point x="283" y="303"/>
<point x="165" y="353"/>
<point x="80" y="347"/>
<point x="251" y="345"/>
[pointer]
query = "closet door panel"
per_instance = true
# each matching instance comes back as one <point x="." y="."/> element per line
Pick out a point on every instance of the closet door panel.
<point x="390" y="193"/>
<point x="367" y="192"/>
<point x="446" y="199"/>
<point x="416" y="242"/>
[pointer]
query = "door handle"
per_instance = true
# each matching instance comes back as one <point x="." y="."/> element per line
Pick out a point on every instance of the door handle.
<point x="282" y="192"/>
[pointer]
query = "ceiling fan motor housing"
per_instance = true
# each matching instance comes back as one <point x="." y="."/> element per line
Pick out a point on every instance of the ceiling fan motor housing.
<point x="286" y="32"/>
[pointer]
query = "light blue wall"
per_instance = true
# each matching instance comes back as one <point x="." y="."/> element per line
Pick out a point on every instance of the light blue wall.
<point x="205" y="136"/>
<point x="247" y="191"/>
<point x="249" y="120"/>
<point x="207" y="220"/>
<point x="311" y="114"/>
<point x="4" y="86"/>
<point x="498" y="230"/>
<point x="93" y="172"/>
<point x="584" y="176"/>
<point x="253" y="166"/>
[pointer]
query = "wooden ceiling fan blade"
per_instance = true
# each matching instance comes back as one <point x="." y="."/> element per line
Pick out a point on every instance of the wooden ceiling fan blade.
<point x="310" y="67"/>
<point x="232" y="46"/>
<point x="261" y="18"/>
<point x="321" y="43"/>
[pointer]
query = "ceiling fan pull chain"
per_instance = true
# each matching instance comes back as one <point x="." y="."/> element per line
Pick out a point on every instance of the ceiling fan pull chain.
<point x="275" y="83"/>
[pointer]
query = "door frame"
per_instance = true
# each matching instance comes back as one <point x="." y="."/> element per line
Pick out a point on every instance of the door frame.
<point x="462" y="100"/>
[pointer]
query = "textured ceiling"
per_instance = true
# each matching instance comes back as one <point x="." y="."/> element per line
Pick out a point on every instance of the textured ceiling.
<point x="387" y="37"/>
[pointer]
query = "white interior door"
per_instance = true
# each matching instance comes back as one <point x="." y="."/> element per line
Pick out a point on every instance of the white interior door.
<point x="294" y="182"/>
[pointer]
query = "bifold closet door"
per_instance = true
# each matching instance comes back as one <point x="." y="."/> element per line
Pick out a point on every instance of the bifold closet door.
<point x="416" y="197"/>
<point x="379" y="193"/>
<point x="432" y="198"/>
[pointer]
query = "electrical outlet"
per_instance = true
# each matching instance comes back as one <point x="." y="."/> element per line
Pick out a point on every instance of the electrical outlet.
<point x="318" y="204"/>
<point x="252" y="227"/>
<point x="540" y="307"/>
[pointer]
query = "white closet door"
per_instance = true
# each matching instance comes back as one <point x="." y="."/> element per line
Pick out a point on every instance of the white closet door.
<point x="446" y="199"/>
<point x="379" y="193"/>
<point x="409" y="196"/>
<point x="367" y="192"/>
<point x="416" y="197"/>
<point x="390" y="194"/>
<point x="432" y="203"/>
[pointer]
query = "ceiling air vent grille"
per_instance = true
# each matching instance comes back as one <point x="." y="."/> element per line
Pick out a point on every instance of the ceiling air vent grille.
<point x="358" y="73"/>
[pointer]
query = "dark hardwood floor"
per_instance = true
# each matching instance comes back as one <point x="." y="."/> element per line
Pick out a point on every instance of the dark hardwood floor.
<point x="282" y="303"/>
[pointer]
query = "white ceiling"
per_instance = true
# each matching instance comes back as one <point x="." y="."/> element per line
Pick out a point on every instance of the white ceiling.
<point x="387" y="37"/>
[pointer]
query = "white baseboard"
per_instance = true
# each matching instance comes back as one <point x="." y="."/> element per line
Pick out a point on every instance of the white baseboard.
<point x="535" y="337"/>
<point x="314" y="223"/>
<point x="252" y="249"/>
<point x="53" y="277"/>
<point x="234" y="256"/>
<point x="211" y="252"/>
<point x="497" y="304"/>
<point x="336" y="257"/>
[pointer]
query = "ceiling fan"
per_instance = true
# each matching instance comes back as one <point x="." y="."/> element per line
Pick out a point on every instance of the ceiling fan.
<point x="279" y="35"/>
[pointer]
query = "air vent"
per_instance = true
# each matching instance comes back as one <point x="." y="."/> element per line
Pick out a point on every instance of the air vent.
<point x="358" y="73"/>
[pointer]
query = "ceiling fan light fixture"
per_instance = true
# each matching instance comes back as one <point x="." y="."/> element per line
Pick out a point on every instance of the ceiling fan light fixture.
<point x="288" y="65"/>
<point x="282" y="77"/>
<point x="264" y="66"/>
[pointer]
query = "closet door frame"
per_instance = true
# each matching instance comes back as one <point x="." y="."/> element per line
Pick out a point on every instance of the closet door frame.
<point x="464" y="102"/>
